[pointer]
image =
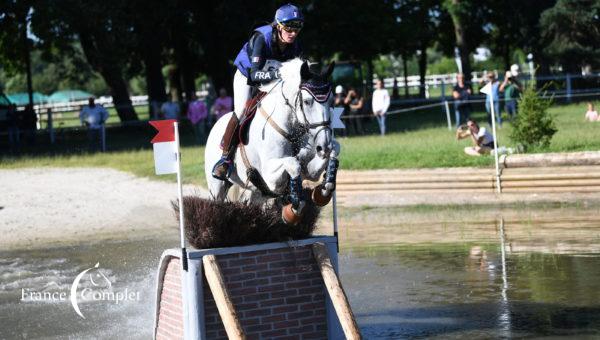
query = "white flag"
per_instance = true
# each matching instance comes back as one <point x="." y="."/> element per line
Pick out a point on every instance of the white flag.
<point x="165" y="147"/>
<point x="487" y="89"/>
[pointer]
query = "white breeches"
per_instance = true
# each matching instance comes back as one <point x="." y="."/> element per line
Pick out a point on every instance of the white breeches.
<point x="241" y="93"/>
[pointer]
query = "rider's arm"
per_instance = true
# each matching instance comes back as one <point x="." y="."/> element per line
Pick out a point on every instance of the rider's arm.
<point x="258" y="60"/>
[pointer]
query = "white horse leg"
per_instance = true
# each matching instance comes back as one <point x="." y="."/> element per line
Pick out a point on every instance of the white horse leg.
<point x="218" y="189"/>
<point x="275" y="170"/>
<point x="274" y="174"/>
<point x="315" y="168"/>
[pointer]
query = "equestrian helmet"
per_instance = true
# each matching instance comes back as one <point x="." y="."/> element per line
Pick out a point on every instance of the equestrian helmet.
<point x="289" y="15"/>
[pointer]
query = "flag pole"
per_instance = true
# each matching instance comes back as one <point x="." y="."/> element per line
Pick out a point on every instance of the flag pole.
<point x="184" y="261"/>
<point x="498" y="188"/>
<point x="336" y="123"/>
<point x="335" y="219"/>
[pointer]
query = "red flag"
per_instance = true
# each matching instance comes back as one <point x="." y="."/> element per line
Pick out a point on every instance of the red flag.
<point x="166" y="132"/>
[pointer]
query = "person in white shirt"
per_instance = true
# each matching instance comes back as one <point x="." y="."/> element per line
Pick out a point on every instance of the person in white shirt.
<point x="170" y="110"/>
<point x="93" y="116"/>
<point x="483" y="141"/>
<point x="380" y="104"/>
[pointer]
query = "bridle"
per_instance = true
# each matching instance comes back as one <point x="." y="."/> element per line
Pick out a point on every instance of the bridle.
<point x="305" y="127"/>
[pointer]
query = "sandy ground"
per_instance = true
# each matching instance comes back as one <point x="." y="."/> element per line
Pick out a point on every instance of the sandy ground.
<point x="56" y="206"/>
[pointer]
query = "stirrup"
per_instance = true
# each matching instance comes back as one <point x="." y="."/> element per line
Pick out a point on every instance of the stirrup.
<point x="227" y="164"/>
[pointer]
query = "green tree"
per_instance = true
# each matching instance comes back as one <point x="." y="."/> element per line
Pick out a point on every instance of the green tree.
<point x="15" y="45"/>
<point x="68" y="72"/>
<point x="571" y="31"/>
<point x="468" y="19"/>
<point x="515" y="25"/>
<point x="149" y="20"/>
<point x="420" y="21"/>
<point x="533" y="126"/>
<point x="103" y="29"/>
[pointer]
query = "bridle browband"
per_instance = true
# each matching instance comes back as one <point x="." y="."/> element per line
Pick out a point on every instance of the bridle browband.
<point x="320" y="91"/>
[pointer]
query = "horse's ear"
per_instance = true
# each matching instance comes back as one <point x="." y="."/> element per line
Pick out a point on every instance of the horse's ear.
<point x="329" y="69"/>
<point x="305" y="71"/>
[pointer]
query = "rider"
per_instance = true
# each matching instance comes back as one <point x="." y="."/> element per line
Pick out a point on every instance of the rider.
<point x="275" y="41"/>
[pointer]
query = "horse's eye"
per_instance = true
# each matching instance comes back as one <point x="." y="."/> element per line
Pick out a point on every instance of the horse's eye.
<point x="307" y="102"/>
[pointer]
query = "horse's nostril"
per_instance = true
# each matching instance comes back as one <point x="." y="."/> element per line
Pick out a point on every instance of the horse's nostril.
<point x="319" y="148"/>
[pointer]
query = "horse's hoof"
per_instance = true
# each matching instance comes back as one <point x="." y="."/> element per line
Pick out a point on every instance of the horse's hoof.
<point x="289" y="216"/>
<point x="318" y="198"/>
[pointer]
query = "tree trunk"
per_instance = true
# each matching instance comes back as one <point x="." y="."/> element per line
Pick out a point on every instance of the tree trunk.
<point x="187" y="70"/>
<point x="461" y="40"/>
<point x="120" y="95"/>
<point x="174" y="83"/>
<point x="219" y="71"/>
<point x="111" y="73"/>
<point x="369" y="82"/>
<point x="506" y="51"/>
<point x="405" y="66"/>
<point x="395" y="88"/>
<point x="422" y="68"/>
<point x="155" y="81"/>
<point x="28" y="69"/>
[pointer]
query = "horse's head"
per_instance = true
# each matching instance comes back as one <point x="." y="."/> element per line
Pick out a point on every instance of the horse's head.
<point x="315" y="103"/>
<point x="307" y="96"/>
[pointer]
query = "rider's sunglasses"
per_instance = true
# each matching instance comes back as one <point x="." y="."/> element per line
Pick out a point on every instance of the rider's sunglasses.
<point x="292" y="26"/>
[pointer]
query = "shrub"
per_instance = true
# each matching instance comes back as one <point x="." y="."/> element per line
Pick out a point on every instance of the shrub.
<point x="533" y="125"/>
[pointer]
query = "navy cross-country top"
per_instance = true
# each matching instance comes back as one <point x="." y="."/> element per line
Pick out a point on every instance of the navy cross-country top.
<point x="262" y="46"/>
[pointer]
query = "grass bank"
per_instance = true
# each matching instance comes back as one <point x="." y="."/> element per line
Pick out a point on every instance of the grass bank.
<point x="416" y="139"/>
<point x="422" y="139"/>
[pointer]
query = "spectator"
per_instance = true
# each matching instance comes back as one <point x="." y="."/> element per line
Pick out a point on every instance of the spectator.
<point x="338" y="101"/>
<point x="170" y="109"/>
<point x="29" y="121"/>
<point x="380" y="104"/>
<point x="223" y="104"/>
<point x="491" y="78"/>
<point x="591" y="115"/>
<point x="355" y="103"/>
<point x="512" y="89"/>
<point x="339" y="96"/>
<point x="461" y="94"/>
<point x="483" y="141"/>
<point x="197" y="114"/>
<point x="12" y="121"/>
<point x="93" y="116"/>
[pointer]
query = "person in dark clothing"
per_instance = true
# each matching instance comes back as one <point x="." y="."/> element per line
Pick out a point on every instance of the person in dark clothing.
<point x="461" y="94"/>
<point x="13" y="122"/>
<point x="355" y="103"/>
<point x="29" y="124"/>
<point x="276" y="41"/>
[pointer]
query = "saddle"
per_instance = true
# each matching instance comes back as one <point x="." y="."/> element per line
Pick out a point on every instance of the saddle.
<point x="249" y="113"/>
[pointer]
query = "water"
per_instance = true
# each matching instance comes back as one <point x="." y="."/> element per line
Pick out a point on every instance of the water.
<point x="130" y="265"/>
<point x="407" y="274"/>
